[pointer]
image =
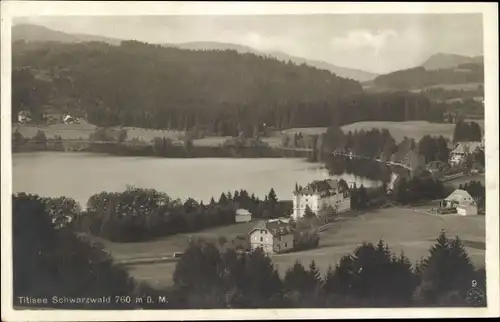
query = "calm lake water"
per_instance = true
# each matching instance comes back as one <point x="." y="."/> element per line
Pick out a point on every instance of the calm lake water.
<point x="80" y="175"/>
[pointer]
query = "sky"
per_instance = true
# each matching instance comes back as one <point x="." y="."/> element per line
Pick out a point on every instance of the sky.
<point x="371" y="42"/>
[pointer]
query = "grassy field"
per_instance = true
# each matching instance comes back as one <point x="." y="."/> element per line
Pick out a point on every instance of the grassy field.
<point x="411" y="129"/>
<point x="83" y="131"/>
<point x="402" y="228"/>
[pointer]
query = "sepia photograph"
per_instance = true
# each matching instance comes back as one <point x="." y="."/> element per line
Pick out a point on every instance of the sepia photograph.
<point x="249" y="159"/>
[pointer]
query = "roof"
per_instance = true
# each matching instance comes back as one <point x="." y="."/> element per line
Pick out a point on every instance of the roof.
<point x="458" y="195"/>
<point x="466" y="147"/>
<point x="242" y="211"/>
<point x="275" y="228"/>
<point x="319" y="186"/>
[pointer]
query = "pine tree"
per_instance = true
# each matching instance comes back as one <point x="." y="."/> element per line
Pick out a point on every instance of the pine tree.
<point x="297" y="278"/>
<point x="444" y="270"/>
<point x="272" y="196"/>
<point x="329" y="283"/>
<point x="308" y="213"/>
<point x="223" y="199"/>
<point x="314" y="274"/>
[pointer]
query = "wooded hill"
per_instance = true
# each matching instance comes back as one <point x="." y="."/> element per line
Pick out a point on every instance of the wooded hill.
<point x="225" y="92"/>
<point x="420" y="77"/>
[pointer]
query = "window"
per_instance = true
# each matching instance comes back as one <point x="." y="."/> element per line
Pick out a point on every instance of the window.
<point x="261" y="239"/>
<point x="286" y="245"/>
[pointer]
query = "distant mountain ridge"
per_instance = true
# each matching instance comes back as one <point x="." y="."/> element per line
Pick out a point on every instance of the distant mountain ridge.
<point x="445" y="61"/>
<point x="36" y="33"/>
<point x="356" y="74"/>
<point x="32" y="33"/>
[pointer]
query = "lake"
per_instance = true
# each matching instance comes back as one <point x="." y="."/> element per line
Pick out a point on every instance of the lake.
<point x="80" y="175"/>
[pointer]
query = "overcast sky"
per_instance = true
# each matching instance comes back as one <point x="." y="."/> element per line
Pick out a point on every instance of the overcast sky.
<point x="375" y="43"/>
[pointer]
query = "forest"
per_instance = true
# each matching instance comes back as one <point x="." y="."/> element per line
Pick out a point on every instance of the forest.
<point x="223" y="92"/>
<point x="419" y="77"/>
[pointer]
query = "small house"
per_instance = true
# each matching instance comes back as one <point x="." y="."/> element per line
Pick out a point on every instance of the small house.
<point x="243" y="215"/>
<point x="459" y="196"/>
<point x="272" y="237"/>
<point x="461" y="150"/>
<point x="462" y="201"/>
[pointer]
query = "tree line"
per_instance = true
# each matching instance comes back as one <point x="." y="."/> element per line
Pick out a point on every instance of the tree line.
<point x="444" y="94"/>
<point x="371" y="276"/>
<point x="419" y="77"/>
<point x="138" y="214"/>
<point x="222" y="92"/>
<point x="467" y="131"/>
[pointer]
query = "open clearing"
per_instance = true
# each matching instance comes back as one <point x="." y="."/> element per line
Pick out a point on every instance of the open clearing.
<point x="83" y="131"/>
<point x="403" y="229"/>
<point x="410" y="129"/>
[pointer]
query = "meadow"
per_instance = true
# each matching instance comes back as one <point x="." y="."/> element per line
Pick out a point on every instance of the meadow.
<point x="83" y="131"/>
<point x="410" y="129"/>
<point x="402" y="228"/>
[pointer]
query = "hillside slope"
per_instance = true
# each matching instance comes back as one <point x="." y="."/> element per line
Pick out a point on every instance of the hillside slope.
<point x="356" y="74"/>
<point x="35" y="33"/>
<point x="445" y="61"/>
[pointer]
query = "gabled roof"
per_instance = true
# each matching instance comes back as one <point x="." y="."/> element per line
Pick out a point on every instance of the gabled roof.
<point x="242" y="211"/>
<point x="458" y="195"/>
<point x="320" y="186"/>
<point x="275" y="228"/>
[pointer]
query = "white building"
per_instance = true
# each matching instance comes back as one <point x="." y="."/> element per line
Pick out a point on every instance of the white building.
<point x="319" y="195"/>
<point x="23" y="117"/>
<point x="243" y="215"/>
<point x="462" y="201"/>
<point x="272" y="237"/>
<point x="69" y="119"/>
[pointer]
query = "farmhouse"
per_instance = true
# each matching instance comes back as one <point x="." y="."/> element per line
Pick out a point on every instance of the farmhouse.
<point x="272" y="237"/>
<point x="319" y="195"/>
<point x="462" y="150"/>
<point x="242" y="215"/>
<point x="462" y="201"/>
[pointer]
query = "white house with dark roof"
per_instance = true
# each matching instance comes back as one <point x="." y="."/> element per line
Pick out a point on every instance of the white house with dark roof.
<point x="272" y="237"/>
<point x="319" y="195"/>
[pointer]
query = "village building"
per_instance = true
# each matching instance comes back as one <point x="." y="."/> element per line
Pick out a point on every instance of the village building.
<point x="23" y="117"/>
<point x="319" y="195"/>
<point x="462" y="201"/>
<point x="271" y="236"/>
<point x="242" y="215"/>
<point x="461" y="150"/>
<point x="68" y="119"/>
